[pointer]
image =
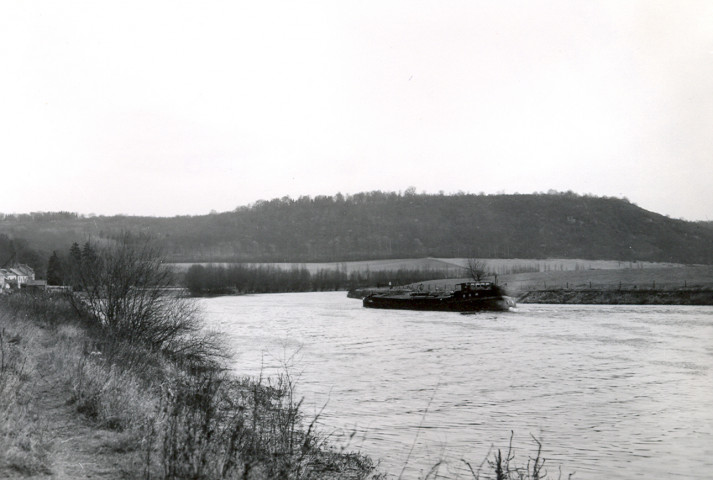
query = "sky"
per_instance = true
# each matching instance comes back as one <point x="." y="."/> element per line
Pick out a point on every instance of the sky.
<point x="184" y="107"/>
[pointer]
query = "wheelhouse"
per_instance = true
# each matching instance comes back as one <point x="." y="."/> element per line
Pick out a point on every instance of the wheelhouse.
<point x="473" y="286"/>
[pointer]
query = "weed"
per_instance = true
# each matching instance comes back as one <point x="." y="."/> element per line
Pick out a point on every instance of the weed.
<point x="178" y="414"/>
<point x="503" y="469"/>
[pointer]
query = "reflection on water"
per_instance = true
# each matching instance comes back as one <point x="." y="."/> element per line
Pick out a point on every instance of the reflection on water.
<point x="612" y="391"/>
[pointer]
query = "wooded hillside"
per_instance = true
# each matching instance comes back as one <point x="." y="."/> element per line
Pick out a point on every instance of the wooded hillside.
<point x="390" y="225"/>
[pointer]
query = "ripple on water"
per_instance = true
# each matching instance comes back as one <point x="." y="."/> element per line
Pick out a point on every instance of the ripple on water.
<point x="602" y="386"/>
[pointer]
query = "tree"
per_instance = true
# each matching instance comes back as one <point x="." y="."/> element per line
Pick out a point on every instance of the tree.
<point x="127" y="288"/>
<point x="74" y="265"/>
<point x="15" y="250"/>
<point x="55" y="272"/>
<point x="89" y="255"/>
<point x="477" y="269"/>
<point x="75" y="253"/>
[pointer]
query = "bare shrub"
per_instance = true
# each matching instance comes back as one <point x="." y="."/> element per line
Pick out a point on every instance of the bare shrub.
<point x="127" y="288"/>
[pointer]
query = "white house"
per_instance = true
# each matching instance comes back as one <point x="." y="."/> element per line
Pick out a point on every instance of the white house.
<point x="16" y="276"/>
<point x="24" y="273"/>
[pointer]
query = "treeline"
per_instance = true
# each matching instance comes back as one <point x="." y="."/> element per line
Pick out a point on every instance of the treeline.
<point x="374" y="225"/>
<point x="67" y="268"/>
<point x="18" y="250"/>
<point x="216" y="280"/>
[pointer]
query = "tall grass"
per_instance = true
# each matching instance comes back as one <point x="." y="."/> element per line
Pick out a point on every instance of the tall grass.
<point x="24" y="444"/>
<point x="504" y="467"/>
<point x="223" y="428"/>
<point x="174" y="417"/>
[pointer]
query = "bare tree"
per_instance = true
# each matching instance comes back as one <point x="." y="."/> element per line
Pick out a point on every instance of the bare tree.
<point x="477" y="269"/>
<point x="128" y="289"/>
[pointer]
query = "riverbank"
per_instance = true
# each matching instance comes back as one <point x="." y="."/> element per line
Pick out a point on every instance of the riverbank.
<point x="619" y="297"/>
<point x="682" y="285"/>
<point x="77" y="403"/>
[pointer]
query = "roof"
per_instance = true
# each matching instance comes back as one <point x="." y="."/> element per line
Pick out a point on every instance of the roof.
<point x="25" y="269"/>
<point x="20" y="269"/>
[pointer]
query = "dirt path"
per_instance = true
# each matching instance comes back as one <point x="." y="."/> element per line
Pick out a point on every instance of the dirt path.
<point x="79" y="449"/>
<point x="76" y="449"/>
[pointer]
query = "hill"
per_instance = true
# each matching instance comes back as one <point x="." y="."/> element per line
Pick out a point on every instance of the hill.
<point x="379" y="225"/>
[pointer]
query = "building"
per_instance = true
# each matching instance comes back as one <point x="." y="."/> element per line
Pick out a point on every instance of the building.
<point x="35" y="285"/>
<point x="16" y="276"/>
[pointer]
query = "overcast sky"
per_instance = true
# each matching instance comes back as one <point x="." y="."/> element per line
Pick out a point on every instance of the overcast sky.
<point x="168" y="107"/>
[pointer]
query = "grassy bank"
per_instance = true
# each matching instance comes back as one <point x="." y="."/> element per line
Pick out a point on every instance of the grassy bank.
<point x="692" y="285"/>
<point x="664" y="278"/>
<point x="76" y="402"/>
<point x="620" y="296"/>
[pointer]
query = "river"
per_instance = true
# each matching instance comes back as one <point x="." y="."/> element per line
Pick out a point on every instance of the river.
<point x="610" y="391"/>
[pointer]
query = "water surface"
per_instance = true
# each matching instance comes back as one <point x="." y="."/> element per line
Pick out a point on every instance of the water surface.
<point x="611" y="391"/>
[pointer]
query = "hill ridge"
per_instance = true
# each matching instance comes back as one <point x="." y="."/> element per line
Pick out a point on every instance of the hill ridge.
<point x="384" y="225"/>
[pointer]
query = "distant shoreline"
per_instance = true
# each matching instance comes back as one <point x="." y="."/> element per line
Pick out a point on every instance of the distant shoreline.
<point x="597" y="296"/>
<point x="686" y="296"/>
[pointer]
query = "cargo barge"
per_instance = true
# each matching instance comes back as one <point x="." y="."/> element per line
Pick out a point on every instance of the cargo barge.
<point x="467" y="297"/>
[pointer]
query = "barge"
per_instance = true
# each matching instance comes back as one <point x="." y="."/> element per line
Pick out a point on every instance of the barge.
<point x="467" y="297"/>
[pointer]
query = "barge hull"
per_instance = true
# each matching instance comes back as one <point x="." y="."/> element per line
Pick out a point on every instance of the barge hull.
<point x="440" y="304"/>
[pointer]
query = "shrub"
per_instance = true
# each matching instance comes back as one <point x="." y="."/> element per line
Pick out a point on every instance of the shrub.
<point x="127" y="289"/>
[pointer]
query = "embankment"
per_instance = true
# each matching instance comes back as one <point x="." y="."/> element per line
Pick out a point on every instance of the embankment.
<point x="619" y="297"/>
<point x="78" y="401"/>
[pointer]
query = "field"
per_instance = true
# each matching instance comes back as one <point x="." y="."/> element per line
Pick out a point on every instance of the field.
<point x="501" y="266"/>
<point x="651" y="277"/>
<point x="667" y="278"/>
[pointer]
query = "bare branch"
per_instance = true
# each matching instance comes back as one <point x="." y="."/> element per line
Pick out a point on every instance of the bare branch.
<point x="477" y="269"/>
<point x="128" y="289"/>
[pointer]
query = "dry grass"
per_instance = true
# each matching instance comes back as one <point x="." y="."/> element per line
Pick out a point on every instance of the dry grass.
<point x="24" y="444"/>
<point x="504" y="467"/>
<point x="141" y="411"/>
